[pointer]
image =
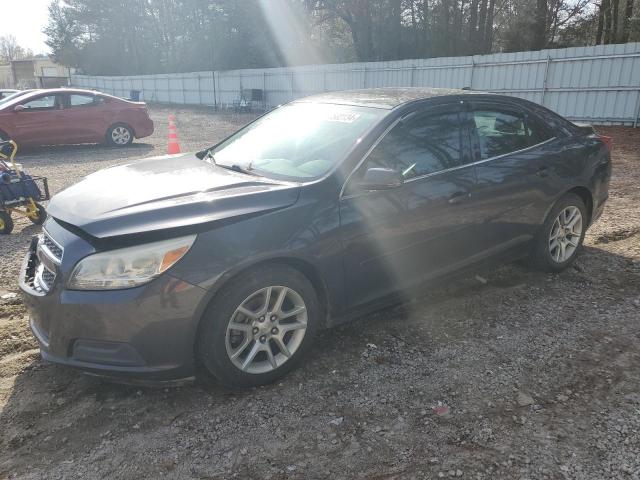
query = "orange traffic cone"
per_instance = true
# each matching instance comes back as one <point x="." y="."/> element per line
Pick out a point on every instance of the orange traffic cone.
<point x="174" y="146"/>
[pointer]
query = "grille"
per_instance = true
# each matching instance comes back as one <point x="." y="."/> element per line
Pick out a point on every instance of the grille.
<point x="48" y="256"/>
<point x="53" y="247"/>
<point x="48" y="278"/>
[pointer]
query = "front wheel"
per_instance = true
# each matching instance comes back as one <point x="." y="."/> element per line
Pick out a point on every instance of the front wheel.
<point x="259" y="327"/>
<point x="120" y="135"/>
<point x="562" y="234"/>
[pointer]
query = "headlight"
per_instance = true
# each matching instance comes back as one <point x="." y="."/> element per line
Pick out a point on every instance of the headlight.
<point x="128" y="267"/>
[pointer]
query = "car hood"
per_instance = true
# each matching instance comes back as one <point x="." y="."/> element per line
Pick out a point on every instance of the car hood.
<point x="166" y="192"/>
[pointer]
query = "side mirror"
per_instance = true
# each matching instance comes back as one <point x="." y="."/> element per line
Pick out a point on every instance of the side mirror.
<point x="18" y="108"/>
<point x="381" y="179"/>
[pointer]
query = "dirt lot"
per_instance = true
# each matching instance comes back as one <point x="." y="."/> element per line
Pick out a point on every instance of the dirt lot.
<point x="526" y="376"/>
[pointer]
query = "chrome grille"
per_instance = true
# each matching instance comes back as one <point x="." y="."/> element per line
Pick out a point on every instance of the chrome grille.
<point x="49" y="254"/>
<point x="43" y="279"/>
<point x="48" y="277"/>
<point x="53" y="247"/>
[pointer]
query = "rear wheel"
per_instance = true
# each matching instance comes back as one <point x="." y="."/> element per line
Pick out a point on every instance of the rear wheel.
<point x="6" y="223"/>
<point x="259" y="327"/>
<point x="562" y="234"/>
<point x="120" y="135"/>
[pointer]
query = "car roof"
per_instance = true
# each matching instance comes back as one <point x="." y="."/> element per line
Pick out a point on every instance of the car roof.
<point x="83" y="91"/>
<point x="49" y="91"/>
<point x="70" y="90"/>
<point x="385" y="98"/>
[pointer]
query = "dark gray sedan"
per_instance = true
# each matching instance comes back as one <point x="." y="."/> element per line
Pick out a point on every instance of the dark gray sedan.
<point x="322" y="209"/>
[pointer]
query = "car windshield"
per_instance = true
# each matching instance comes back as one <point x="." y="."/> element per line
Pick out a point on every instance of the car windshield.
<point x="300" y="141"/>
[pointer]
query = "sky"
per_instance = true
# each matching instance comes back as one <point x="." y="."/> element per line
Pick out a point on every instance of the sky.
<point x="25" y="19"/>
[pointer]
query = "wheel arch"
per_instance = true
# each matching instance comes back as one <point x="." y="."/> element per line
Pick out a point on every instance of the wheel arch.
<point x="305" y="267"/>
<point x="587" y="197"/>
<point x="581" y="191"/>
<point x="313" y="275"/>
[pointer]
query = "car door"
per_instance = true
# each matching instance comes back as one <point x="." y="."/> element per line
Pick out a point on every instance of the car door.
<point x="83" y="114"/>
<point x="513" y="152"/>
<point x="39" y="122"/>
<point x="398" y="237"/>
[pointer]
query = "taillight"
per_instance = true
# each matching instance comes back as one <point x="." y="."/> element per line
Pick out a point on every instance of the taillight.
<point x="608" y="142"/>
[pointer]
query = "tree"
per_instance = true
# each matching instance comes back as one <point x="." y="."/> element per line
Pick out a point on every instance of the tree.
<point x="615" y="15"/>
<point x="540" y="29"/>
<point x="10" y="50"/>
<point x="358" y="16"/>
<point x="626" y="24"/>
<point x="163" y="36"/>
<point x="600" y="27"/>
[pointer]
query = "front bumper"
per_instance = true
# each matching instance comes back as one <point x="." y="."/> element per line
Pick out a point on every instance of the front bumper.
<point x="145" y="333"/>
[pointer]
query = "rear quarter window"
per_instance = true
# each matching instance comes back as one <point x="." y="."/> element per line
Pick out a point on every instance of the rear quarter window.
<point x="556" y="124"/>
<point x="502" y="131"/>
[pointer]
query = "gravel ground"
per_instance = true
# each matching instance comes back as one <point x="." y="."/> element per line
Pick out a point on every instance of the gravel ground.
<point x="513" y="375"/>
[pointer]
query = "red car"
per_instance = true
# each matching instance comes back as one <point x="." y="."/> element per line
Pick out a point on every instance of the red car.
<point x="68" y="116"/>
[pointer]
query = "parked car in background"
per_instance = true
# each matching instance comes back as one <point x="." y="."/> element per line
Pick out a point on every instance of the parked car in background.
<point x="68" y="116"/>
<point x="5" y="92"/>
<point x="321" y="210"/>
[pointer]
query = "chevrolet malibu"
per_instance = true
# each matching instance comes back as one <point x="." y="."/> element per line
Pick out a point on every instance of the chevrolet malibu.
<point x="323" y="209"/>
<point x="67" y="116"/>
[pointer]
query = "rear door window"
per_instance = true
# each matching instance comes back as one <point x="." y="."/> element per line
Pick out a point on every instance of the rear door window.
<point x="76" y="100"/>
<point x="503" y="131"/>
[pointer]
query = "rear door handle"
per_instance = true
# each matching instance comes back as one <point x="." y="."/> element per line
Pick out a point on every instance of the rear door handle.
<point x="543" y="172"/>
<point x="458" y="197"/>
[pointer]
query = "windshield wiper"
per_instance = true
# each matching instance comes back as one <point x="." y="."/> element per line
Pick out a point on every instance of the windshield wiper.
<point x="238" y="168"/>
<point x="235" y="167"/>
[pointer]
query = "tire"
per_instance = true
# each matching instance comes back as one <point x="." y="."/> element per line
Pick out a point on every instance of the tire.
<point x="6" y="223"/>
<point x="120" y="135"/>
<point x="555" y="256"/>
<point x="40" y="215"/>
<point x="261" y="332"/>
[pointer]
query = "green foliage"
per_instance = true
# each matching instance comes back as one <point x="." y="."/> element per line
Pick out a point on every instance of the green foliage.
<point x="120" y="37"/>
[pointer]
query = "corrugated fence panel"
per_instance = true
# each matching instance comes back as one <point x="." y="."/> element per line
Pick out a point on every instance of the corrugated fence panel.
<point x="598" y="83"/>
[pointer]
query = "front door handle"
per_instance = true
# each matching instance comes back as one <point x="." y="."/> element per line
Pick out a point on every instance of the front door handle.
<point x="543" y="172"/>
<point x="458" y="197"/>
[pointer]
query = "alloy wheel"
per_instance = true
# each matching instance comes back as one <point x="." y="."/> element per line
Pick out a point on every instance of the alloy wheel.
<point x="565" y="234"/>
<point x="266" y="329"/>
<point x="120" y="135"/>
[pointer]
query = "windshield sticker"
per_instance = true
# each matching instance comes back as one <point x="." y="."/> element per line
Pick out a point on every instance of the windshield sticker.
<point x="342" y="117"/>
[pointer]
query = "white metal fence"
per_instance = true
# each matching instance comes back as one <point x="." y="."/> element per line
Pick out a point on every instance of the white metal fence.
<point x="599" y="84"/>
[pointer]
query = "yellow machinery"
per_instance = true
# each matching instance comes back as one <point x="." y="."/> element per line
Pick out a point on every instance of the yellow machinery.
<point x="19" y="193"/>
